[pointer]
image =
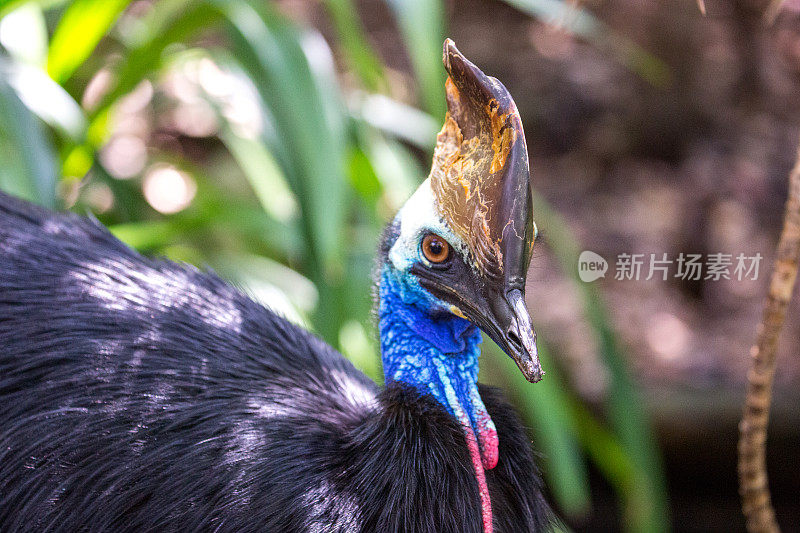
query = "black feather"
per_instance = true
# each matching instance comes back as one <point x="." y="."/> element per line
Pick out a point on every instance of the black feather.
<point x="142" y="395"/>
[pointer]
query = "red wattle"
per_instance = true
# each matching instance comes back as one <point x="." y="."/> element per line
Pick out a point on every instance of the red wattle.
<point x="487" y="437"/>
<point x="480" y="476"/>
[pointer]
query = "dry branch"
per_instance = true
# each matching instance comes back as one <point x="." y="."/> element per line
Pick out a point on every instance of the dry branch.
<point x="753" y="482"/>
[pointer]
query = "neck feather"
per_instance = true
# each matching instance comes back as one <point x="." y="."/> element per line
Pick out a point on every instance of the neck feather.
<point x="437" y="353"/>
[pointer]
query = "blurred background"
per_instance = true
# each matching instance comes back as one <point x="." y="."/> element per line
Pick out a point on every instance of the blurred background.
<point x="272" y="140"/>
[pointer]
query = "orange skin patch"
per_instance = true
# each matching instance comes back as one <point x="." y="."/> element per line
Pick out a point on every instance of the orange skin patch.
<point x="503" y="136"/>
<point x="451" y="89"/>
<point x="456" y="311"/>
<point x="466" y="175"/>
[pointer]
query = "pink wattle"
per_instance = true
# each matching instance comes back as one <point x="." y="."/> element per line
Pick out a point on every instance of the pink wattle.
<point x="478" y="461"/>
<point x="487" y="437"/>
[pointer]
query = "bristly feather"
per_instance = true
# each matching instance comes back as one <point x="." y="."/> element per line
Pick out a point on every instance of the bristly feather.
<point x="140" y="394"/>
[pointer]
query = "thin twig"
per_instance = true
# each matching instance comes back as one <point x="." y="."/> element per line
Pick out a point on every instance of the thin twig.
<point x="753" y="483"/>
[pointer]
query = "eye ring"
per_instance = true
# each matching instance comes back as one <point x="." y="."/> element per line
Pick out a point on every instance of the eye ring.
<point x="435" y="248"/>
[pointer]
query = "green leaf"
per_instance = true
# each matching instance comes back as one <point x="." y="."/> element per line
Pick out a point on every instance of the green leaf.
<point x="294" y="74"/>
<point x="27" y="159"/>
<point x="646" y="508"/>
<point x="354" y="45"/>
<point x="397" y="170"/>
<point x="397" y="119"/>
<point x="571" y="17"/>
<point x="81" y="27"/>
<point x="169" y="22"/>
<point x="23" y="33"/>
<point x="307" y="112"/>
<point x="264" y="174"/>
<point x="49" y="101"/>
<point x="362" y="176"/>
<point x="604" y="448"/>
<point x="274" y="285"/>
<point x="422" y="25"/>
<point x="360" y="349"/>
<point x="147" y="235"/>
<point x="7" y="6"/>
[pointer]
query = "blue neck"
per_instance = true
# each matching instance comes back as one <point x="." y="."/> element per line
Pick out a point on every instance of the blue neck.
<point x="434" y="351"/>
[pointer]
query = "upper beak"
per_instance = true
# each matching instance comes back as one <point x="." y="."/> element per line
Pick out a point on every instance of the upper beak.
<point x="521" y="338"/>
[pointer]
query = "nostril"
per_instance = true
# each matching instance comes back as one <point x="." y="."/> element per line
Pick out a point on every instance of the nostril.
<point x="512" y="336"/>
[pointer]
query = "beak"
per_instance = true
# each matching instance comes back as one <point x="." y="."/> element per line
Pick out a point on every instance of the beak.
<point x="502" y="315"/>
<point x="521" y="338"/>
<point x="509" y="325"/>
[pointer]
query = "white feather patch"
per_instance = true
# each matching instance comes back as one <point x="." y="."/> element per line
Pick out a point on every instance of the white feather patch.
<point x="417" y="217"/>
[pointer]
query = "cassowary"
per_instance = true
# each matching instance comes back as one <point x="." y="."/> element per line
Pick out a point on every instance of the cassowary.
<point x="139" y="394"/>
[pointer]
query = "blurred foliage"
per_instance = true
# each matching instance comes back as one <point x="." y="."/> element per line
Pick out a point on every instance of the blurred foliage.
<point x="284" y="178"/>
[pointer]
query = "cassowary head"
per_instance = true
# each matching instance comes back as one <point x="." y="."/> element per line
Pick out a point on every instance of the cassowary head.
<point x="463" y="241"/>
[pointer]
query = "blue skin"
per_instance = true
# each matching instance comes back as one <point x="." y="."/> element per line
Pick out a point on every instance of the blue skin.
<point x="426" y="346"/>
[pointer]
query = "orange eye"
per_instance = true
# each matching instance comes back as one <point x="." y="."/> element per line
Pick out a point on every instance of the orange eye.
<point x="435" y="248"/>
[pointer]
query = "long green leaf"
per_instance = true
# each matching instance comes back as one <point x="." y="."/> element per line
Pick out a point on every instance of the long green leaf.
<point x="294" y="75"/>
<point x="81" y="27"/>
<point x="604" y="448"/>
<point x="397" y="119"/>
<point x="27" y="159"/>
<point x="6" y="6"/>
<point x="307" y="114"/>
<point x="398" y="172"/>
<point x="49" y="101"/>
<point x="170" y="22"/>
<point x="263" y="173"/>
<point x="147" y="235"/>
<point x="422" y="25"/>
<point x="354" y="45"/>
<point x="646" y="508"/>
<point x="276" y="286"/>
